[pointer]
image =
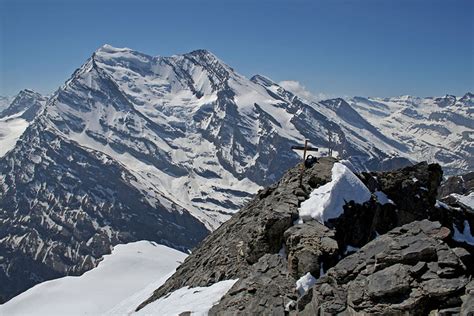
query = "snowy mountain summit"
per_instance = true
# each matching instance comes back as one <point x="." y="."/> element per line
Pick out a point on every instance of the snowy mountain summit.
<point x="136" y="147"/>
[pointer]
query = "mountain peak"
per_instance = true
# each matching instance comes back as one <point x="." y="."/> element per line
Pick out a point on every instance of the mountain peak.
<point x="468" y="99"/>
<point x="201" y="53"/>
<point x="265" y="81"/>
<point x="107" y="48"/>
<point x="107" y="51"/>
<point x="25" y="100"/>
<point x="27" y="92"/>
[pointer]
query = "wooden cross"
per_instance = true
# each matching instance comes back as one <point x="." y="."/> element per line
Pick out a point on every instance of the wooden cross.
<point x="305" y="149"/>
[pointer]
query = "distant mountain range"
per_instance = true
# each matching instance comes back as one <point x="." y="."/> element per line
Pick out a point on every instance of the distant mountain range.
<point x="137" y="147"/>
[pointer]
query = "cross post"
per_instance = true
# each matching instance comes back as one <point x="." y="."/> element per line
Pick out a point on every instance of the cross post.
<point x="305" y="149"/>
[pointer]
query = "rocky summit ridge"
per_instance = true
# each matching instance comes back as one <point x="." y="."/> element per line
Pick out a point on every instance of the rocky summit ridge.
<point x="397" y="253"/>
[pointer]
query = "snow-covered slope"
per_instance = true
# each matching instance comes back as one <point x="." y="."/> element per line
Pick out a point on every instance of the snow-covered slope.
<point x="121" y="276"/>
<point x="196" y="301"/>
<point x="433" y="129"/>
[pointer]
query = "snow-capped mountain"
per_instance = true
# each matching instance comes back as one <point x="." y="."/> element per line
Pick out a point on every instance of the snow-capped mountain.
<point x="15" y="118"/>
<point x="434" y="129"/>
<point x="137" y="147"/>
<point x="27" y="104"/>
<point x="4" y="102"/>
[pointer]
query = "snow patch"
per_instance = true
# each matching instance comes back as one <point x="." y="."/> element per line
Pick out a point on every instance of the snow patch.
<point x="466" y="200"/>
<point x="351" y="249"/>
<point x="465" y="236"/>
<point x="10" y="132"/>
<point x="304" y="283"/>
<point x="440" y="204"/>
<point x="382" y="198"/>
<point x="197" y="300"/>
<point x="327" y="201"/>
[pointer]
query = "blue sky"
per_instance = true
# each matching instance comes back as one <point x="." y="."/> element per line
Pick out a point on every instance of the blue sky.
<point x="335" y="47"/>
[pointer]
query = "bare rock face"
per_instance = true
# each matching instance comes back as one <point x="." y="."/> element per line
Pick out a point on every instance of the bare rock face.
<point x="309" y="246"/>
<point x="413" y="189"/>
<point x="411" y="269"/>
<point x="410" y="193"/>
<point x="267" y="287"/>
<point x="461" y="184"/>
<point x="467" y="306"/>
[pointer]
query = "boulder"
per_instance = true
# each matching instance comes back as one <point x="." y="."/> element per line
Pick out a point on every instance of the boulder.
<point x="310" y="247"/>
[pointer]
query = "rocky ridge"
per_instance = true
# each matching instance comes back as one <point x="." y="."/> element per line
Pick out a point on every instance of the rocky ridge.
<point x="396" y="256"/>
<point x="27" y="104"/>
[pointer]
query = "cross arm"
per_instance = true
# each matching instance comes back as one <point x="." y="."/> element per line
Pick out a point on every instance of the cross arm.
<point x="303" y="148"/>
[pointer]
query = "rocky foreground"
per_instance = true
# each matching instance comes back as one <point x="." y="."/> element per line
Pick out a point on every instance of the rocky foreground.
<point x="401" y="252"/>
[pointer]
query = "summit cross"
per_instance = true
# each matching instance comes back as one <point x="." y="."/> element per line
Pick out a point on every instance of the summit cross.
<point x="305" y="149"/>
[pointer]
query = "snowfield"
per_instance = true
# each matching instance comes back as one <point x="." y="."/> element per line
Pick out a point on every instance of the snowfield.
<point x="130" y="269"/>
<point x="326" y="202"/>
<point x="121" y="282"/>
<point x="197" y="300"/>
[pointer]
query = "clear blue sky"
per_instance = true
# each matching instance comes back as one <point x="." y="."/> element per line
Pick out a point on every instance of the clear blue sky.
<point x="351" y="47"/>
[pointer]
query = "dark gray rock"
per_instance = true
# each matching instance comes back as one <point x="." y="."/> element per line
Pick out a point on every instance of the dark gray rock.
<point x="268" y="287"/>
<point x="310" y="247"/>
<point x="387" y="276"/>
<point x="461" y="184"/>
<point x="390" y="281"/>
<point x="413" y="189"/>
<point x="467" y="307"/>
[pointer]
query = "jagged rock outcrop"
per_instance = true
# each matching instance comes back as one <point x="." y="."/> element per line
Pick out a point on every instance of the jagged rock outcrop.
<point x="267" y="287"/>
<point x="457" y="194"/>
<point x="411" y="269"/>
<point x="467" y="306"/>
<point x="462" y="184"/>
<point x="415" y="268"/>
<point x="308" y="246"/>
